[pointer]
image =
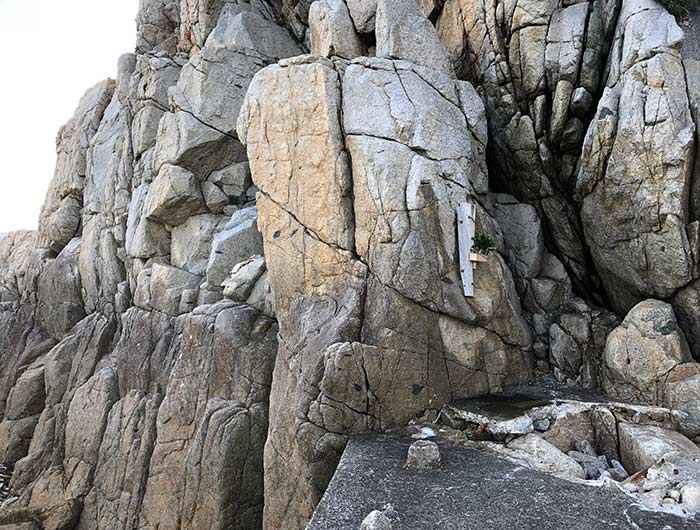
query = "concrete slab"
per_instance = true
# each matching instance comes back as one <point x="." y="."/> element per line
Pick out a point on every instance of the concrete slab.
<point x="472" y="491"/>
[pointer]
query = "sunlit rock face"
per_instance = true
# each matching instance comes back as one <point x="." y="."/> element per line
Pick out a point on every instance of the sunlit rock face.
<point x="250" y="249"/>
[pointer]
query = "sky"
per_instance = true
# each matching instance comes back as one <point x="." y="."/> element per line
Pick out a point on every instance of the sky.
<point x="54" y="50"/>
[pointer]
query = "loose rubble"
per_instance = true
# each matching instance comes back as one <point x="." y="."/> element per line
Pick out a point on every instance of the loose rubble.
<point x="384" y="519"/>
<point x="423" y="454"/>
<point x="637" y="449"/>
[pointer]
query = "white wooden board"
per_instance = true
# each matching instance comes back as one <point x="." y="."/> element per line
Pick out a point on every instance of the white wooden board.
<point x="465" y="234"/>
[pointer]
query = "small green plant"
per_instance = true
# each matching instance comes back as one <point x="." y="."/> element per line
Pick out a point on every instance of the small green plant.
<point x="678" y="8"/>
<point x="483" y="244"/>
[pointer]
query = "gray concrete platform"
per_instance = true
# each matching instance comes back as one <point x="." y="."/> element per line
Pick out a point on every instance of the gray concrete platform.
<point x="472" y="491"/>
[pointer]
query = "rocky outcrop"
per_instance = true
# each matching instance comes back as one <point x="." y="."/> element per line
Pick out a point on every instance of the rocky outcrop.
<point x="377" y="283"/>
<point x="646" y="254"/>
<point x="248" y="254"/>
<point x="559" y="81"/>
<point x="647" y="359"/>
<point x="102" y="328"/>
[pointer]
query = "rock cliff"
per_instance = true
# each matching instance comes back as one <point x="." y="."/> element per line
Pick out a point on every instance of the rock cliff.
<point x="250" y="247"/>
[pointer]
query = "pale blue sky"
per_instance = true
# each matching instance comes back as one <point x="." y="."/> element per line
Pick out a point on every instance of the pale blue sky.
<point x="53" y="50"/>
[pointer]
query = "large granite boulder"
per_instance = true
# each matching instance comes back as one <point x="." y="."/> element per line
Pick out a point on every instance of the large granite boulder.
<point x="199" y="134"/>
<point x="642" y="351"/>
<point x="376" y="284"/>
<point x="642" y="251"/>
<point x="60" y="215"/>
<point x="642" y="446"/>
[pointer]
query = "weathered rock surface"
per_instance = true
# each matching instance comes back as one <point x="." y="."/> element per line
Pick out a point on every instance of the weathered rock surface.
<point x="642" y="351"/>
<point x="542" y="455"/>
<point x="643" y="446"/>
<point x="647" y="359"/>
<point x="99" y="410"/>
<point x="247" y="254"/>
<point x="378" y="258"/>
<point x="332" y="30"/>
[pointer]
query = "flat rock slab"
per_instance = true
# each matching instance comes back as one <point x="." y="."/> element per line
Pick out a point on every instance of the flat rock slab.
<point x="471" y="491"/>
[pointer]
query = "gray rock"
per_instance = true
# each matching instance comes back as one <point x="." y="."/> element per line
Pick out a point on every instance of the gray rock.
<point x="214" y="197"/>
<point x="585" y="447"/>
<point x="643" y="446"/>
<point x="404" y="32"/>
<point x="394" y="200"/>
<point x="332" y="30"/>
<point x="157" y="24"/>
<point x="15" y="253"/>
<point x="647" y="255"/>
<point x="423" y="454"/>
<point x="243" y="278"/>
<point x="236" y="243"/>
<point x="200" y="134"/>
<point x="542" y="455"/>
<point x="682" y="392"/>
<point x="522" y="232"/>
<point x="234" y="180"/>
<point x="60" y="215"/>
<point x="59" y="297"/>
<point x="144" y="238"/>
<point x="174" y="196"/>
<point x="167" y="287"/>
<point x="192" y="241"/>
<point x="379" y="520"/>
<point x="642" y="351"/>
<point x="617" y="471"/>
<point x="363" y="13"/>
<point x="262" y="298"/>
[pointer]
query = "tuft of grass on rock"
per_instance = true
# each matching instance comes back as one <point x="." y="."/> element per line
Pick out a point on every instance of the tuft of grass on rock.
<point x="484" y="244"/>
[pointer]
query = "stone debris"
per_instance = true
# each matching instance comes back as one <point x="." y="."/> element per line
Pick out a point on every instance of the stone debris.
<point x="423" y="454"/>
<point x="539" y="454"/>
<point x="672" y="484"/>
<point x="602" y="442"/>
<point x="383" y="519"/>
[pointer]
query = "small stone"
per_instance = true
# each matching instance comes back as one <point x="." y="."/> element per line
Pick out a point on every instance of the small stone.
<point x="690" y="497"/>
<point x="423" y="455"/>
<point x="542" y="424"/>
<point x="617" y="471"/>
<point x="427" y="432"/>
<point x="519" y="425"/>
<point x="242" y="278"/>
<point x="585" y="447"/>
<point x="380" y="519"/>
<point x="581" y="101"/>
<point x="674" y="495"/>
<point x="594" y="470"/>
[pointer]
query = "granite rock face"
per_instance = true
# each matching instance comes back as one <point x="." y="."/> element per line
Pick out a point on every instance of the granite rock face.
<point x="248" y="254"/>
<point x="377" y="286"/>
